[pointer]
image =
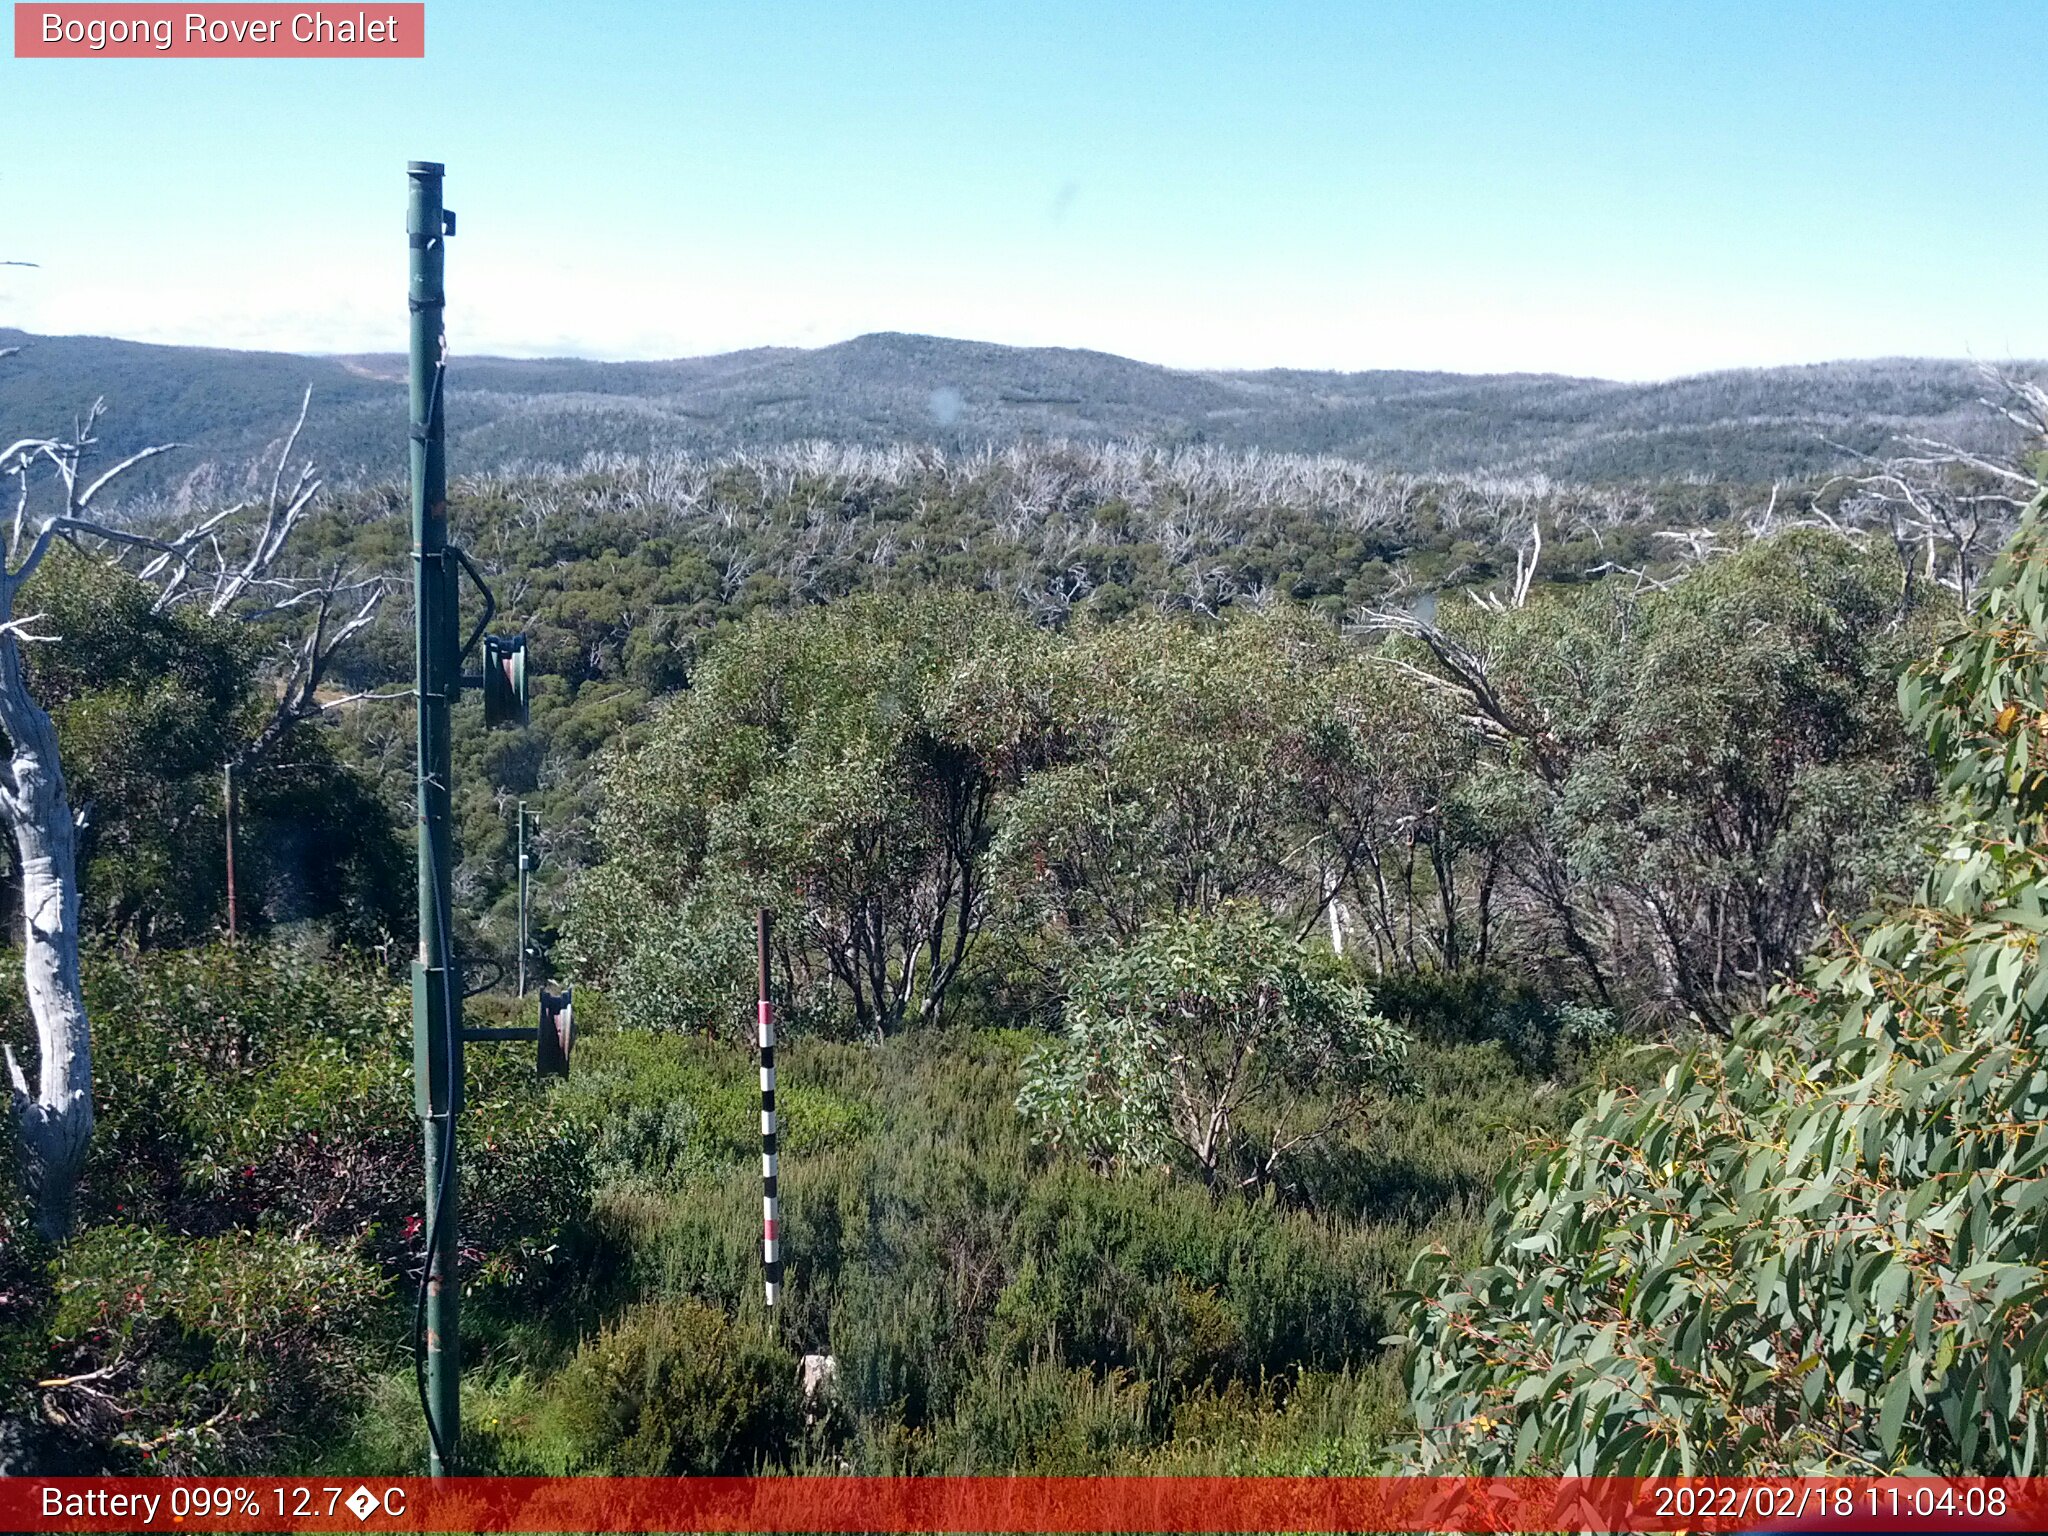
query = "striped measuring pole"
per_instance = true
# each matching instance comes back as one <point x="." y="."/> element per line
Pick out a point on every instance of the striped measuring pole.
<point x="771" y="1203"/>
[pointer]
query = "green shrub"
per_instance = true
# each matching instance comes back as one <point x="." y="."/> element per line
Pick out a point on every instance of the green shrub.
<point x="677" y="1388"/>
<point x="1214" y="1040"/>
<point x="189" y="1354"/>
<point x="24" y="1286"/>
<point x="664" y="1106"/>
<point x="952" y="1268"/>
<point x="250" y="1087"/>
<point x="993" y="1307"/>
<point x="1156" y="1279"/>
<point x="1013" y="978"/>
<point x="1470" y="1007"/>
<point x="1323" y="1424"/>
<point x="1046" y="1421"/>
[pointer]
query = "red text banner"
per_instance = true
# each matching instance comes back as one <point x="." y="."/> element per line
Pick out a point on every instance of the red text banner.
<point x="1023" y="1504"/>
<point x="239" y="31"/>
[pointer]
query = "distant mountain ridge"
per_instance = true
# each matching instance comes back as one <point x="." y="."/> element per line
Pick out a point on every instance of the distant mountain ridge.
<point x="1749" y="425"/>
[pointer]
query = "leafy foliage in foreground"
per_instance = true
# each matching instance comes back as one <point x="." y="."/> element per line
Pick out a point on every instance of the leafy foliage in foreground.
<point x="179" y="1350"/>
<point x="24" y="1290"/>
<point x="1823" y="1247"/>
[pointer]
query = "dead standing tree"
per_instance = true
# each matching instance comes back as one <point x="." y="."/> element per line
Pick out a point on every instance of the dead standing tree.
<point x="232" y="562"/>
<point x="1949" y="509"/>
<point x="54" y="1117"/>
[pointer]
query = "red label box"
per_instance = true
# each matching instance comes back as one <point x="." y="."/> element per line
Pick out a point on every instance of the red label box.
<point x="367" y="29"/>
<point x="1074" y="1506"/>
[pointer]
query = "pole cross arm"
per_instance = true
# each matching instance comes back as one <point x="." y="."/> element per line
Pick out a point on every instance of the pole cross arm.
<point x="553" y="1038"/>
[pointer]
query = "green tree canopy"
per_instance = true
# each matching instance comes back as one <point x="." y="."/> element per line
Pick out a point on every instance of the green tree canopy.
<point x="1698" y="775"/>
<point x="842" y="767"/>
<point x="1196" y="756"/>
<point x="150" y="705"/>
<point x="1213" y="1039"/>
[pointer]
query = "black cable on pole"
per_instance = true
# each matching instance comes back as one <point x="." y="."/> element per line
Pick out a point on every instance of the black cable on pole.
<point x="444" y="958"/>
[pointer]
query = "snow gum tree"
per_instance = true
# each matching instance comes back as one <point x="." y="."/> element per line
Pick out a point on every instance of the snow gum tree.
<point x="230" y="562"/>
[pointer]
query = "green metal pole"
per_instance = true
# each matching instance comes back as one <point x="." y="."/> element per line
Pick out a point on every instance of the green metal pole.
<point x="436" y="991"/>
<point x="522" y="898"/>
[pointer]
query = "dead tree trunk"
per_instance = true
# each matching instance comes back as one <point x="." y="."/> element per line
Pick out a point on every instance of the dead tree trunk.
<point x="54" y="1115"/>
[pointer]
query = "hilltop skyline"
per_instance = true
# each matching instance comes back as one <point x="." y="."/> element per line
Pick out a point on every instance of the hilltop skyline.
<point x="884" y="389"/>
<point x="764" y="349"/>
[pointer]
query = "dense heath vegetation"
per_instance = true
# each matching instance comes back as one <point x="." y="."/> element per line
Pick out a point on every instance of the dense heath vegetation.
<point x="1279" y="976"/>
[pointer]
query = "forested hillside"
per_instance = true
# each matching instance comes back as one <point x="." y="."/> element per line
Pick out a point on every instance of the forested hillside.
<point x="1750" y="426"/>
<point x="1202" y="880"/>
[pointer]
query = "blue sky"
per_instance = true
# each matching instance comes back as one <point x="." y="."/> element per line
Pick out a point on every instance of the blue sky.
<point x="1634" y="190"/>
